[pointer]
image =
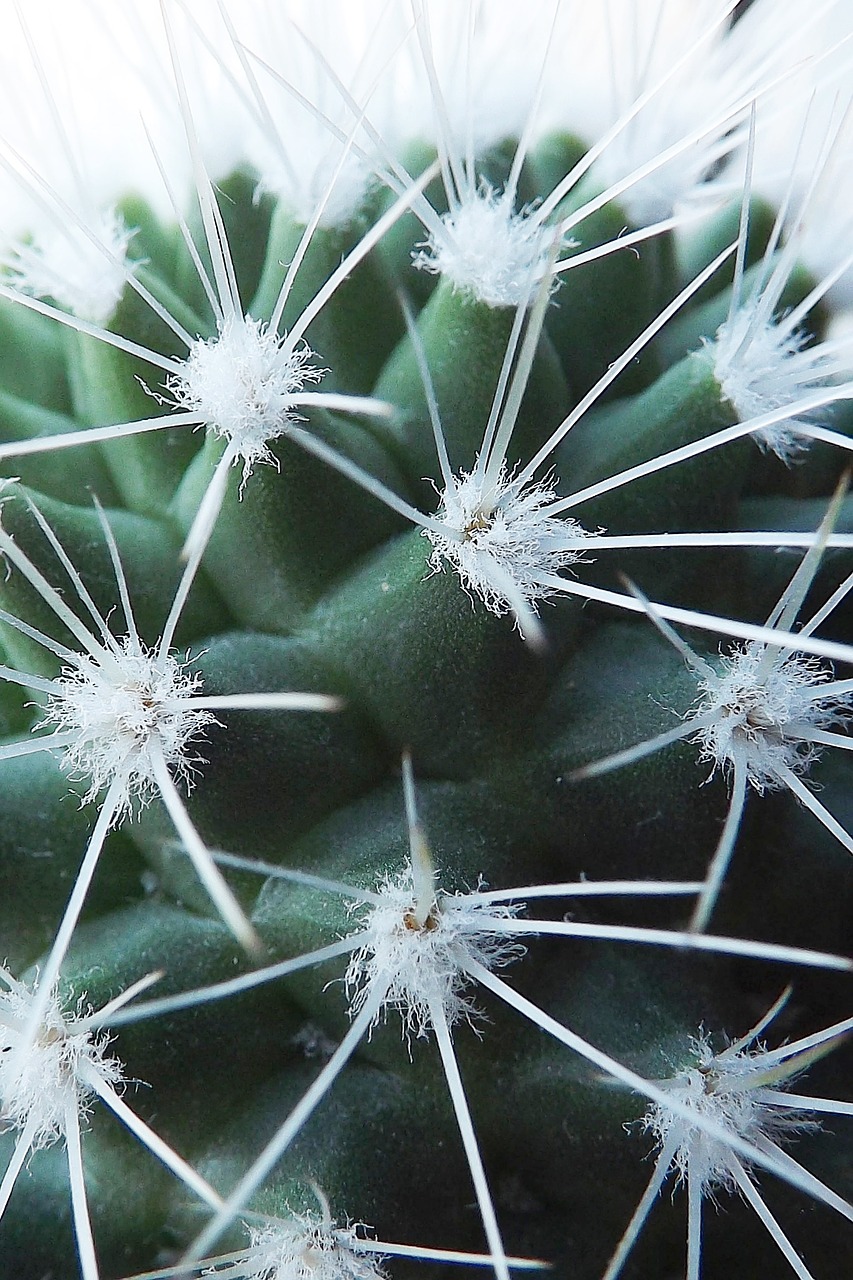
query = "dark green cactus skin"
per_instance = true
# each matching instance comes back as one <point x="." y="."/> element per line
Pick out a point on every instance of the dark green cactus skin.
<point x="311" y="584"/>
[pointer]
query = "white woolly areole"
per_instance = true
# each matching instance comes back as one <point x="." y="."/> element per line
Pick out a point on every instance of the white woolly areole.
<point x="696" y="66"/>
<point x="762" y="711"/>
<point x="38" y="1086"/>
<point x="655" y="197"/>
<point x="499" y="532"/>
<point x="489" y="250"/>
<point x="735" y="1091"/>
<point x="304" y="180"/>
<point x="761" y="371"/>
<point x="122" y="708"/>
<point x="419" y="965"/>
<point x="84" y="276"/>
<point x="308" y="1248"/>
<point x="627" y="52"/>
<point x="794" y="129"/>
<point x="242" y="383"/>
<point x="297" y="143"/>
<point x="488" y="76"/>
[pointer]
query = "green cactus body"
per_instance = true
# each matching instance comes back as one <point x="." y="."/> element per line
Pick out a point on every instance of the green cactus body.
<point x="353" y="747"/>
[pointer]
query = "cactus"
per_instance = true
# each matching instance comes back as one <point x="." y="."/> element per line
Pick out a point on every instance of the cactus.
<point x="425" y="647"/>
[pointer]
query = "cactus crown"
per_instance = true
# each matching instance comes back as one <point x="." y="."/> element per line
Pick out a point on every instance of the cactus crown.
<point x="498" y="439"/>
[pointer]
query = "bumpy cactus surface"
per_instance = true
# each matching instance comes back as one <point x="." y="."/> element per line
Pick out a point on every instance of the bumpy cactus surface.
<point x="425" y="641"/>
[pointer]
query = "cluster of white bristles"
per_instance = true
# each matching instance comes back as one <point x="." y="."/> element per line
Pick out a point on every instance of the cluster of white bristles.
<point x="487" y="249"/>
<point x="416" y="952"/>
<point x="764" y="708"/>
<point x="41" y="1083"/>
<point x="83" y="268"/>
<point x="242" y="384"/>
<point x="307" y="1248"/>
<point x="734" y="1089"/>
<point x="740" y="1094"/>
<point x="117" y="709"/>
<point x="501" y="534"/>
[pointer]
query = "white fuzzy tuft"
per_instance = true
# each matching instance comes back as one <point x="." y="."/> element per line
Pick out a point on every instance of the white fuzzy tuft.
<point x="656" y="196"/>
<point x="489" y="250"/>
<point x="38" y="1086"/>
<point x="699" y="71"/>
<point x="242" y="384"/>
<point x="763" y="711"/>
<point x="734" y="1090"/>
<point x="802" y="158"/>
<point x="763" y="363"/>
<point x="419" y="965"/>
<point x="303" y="182"/>
<point x="314" y="66"/>
<point x="763" y="371"/>
<point x="307" y="1248"/>
<point x="500" y="533"/>
<point x="620" y="51"/>
<point x="85" y="276"/>
<point x="120" y="708"/>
